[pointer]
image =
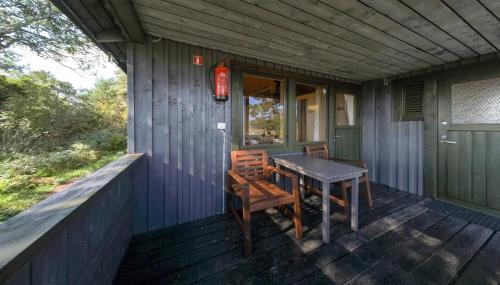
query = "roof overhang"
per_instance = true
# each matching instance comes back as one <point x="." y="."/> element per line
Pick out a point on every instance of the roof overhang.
<point x="359" y="40"/>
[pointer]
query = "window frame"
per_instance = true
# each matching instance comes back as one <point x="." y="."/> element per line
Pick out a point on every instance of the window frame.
<point x="291" y="76"/>
<point x="356" y="107"/>
<point x="241" y="106"/>
<point x="293" y="111"/>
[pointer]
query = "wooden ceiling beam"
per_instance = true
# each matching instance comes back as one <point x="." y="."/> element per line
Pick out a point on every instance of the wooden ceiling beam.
<point x="244" y="51"/>
<point x="302" y="14"/>
<point x="406" y="17"/>
<point x="317" y="46"/>
<point x="157" y="17"/>
<point x="110" y="36"/>
<point x="441" y="15"/>
<point x="126" y="18"/>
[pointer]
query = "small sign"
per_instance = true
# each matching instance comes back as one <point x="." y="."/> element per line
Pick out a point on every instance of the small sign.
<point x="221" y="126"/>
<point x="197" y="60"/>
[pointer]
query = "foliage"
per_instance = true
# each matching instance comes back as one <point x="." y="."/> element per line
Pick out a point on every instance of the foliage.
<point x="51" y="133"/>
<point x="24" y="181"/>
<point x="265" y="117"/>
<point x="39" y="26"/>
<point x="40" y="113"/>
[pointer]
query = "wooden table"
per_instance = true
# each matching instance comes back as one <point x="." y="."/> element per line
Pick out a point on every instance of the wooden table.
<point x="326" y="171"/>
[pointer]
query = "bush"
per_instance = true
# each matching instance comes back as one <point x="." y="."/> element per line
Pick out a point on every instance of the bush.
<point x="77" y="156"/>
<point x="51" y="133"/>
<point x="107" y="140"/>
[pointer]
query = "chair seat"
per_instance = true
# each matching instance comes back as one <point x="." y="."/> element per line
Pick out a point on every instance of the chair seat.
<point x="264" y="195"/>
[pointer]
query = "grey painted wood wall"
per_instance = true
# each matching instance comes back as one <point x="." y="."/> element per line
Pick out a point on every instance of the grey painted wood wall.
<point x="173" y="120"/>
<point x="392" y="149"/>
<point x="76" y="236"/>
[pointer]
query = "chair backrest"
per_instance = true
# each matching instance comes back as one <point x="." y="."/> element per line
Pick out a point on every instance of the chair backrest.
<point x="250" y="164"/>
<point x="317" y="150"/>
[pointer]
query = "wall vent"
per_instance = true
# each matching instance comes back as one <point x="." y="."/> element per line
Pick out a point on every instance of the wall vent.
<point x="413" y="100"/>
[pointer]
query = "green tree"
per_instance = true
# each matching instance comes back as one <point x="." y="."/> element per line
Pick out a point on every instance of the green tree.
<point x="109" y="99"/>
<point x="265" y="115"/>
<point x="39" y="26"/>
<point x="39" y="112"/>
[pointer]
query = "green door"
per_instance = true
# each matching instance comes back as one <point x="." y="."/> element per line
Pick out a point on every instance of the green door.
<point x="345" y="135"/>
<point x="469" y="141"/>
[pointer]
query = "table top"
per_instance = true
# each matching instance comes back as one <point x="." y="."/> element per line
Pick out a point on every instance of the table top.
<point x="320" y="169"/>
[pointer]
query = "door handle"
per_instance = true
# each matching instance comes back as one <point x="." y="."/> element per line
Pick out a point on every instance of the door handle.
<point x="448" y="142"/>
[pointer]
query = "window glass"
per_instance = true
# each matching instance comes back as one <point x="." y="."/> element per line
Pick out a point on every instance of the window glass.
<point x="263" y="110"/>
<point x="476" y="102"/>
<point x="310" y="102"/>
<point x="345" y="109"/>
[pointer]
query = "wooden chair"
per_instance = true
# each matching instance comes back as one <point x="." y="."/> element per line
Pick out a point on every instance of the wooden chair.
<point x="321" y="151"/>
<point x="248" y="181"/>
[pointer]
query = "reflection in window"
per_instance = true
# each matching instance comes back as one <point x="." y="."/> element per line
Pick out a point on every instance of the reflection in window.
<point x="345" y="107"/>
<point x="310" y="113"/>
<point x="263" y="121"/>
<point x="476" y="102"/>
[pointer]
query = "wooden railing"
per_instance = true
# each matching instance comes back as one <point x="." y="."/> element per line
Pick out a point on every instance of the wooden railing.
<point x="76" y="236"/>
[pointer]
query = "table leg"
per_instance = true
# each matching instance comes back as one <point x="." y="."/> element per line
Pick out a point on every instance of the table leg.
<point x="354" y="204"/>
<point x="326" y="212"/>
<point x="302" y="187"/>
<point x="278" y="175"/>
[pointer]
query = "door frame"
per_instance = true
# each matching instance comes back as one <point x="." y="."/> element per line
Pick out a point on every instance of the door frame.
<point x="443" y="113"/>
<point x="333" y="120"/>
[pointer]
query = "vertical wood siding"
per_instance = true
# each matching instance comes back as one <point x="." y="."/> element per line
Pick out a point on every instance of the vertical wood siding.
<point x="392" y="150"/>
<point x="76" y="236"/>
<point x="173" y="120"/>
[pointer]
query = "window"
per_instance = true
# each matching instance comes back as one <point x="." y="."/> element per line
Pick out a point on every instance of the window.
<point x="263" y="110"/>
<point x="476" y="102"/>
<point x="413" y="99"/>
<point x="310" y="102"/>
<point x="345" y="109"/>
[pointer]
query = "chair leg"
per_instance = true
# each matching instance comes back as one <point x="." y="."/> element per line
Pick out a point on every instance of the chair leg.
<point x="297" y="219"/>
<point x="247" y="237"/>
<point x="343" y="189"/>
<point x="368" y="192"/>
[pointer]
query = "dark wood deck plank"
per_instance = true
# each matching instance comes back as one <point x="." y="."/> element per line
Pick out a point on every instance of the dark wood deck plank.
<point x="221" y="231"/>
<point x="308" y="264"/>
<point x="396" y="267"/>
<point x="485" y="267"/>
<point x="381" y="226"/>
<point x="398" y="240"/>
<point x="225" y="249"/>
<point x="371" y="251"/>
<point x="157" y="267"/>
<point x="186" y="242"/>
<point x="293" y="250"/>
<point x="446" y="262"/>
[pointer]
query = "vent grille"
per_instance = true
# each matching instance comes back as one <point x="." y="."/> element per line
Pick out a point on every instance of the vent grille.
<point x="413" y="100"/>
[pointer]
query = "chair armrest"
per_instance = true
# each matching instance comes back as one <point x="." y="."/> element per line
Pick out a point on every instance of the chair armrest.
<point x="240" y="185"/>
<point x="240" y="181"/>
<point x="291" y="176"/>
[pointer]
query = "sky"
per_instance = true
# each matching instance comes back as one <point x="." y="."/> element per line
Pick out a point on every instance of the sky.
<point x="80" y="79"/>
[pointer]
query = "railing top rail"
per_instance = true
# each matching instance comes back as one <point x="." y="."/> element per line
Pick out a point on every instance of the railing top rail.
<point x="23" y="234"/>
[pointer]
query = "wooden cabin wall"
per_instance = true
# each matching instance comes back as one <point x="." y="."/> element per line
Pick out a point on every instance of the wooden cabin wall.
<point x="392" y="149"/>
<point x="173" y="120"/>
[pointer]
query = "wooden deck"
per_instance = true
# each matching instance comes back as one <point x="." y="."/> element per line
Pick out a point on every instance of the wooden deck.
<point x="401" y="238"/>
